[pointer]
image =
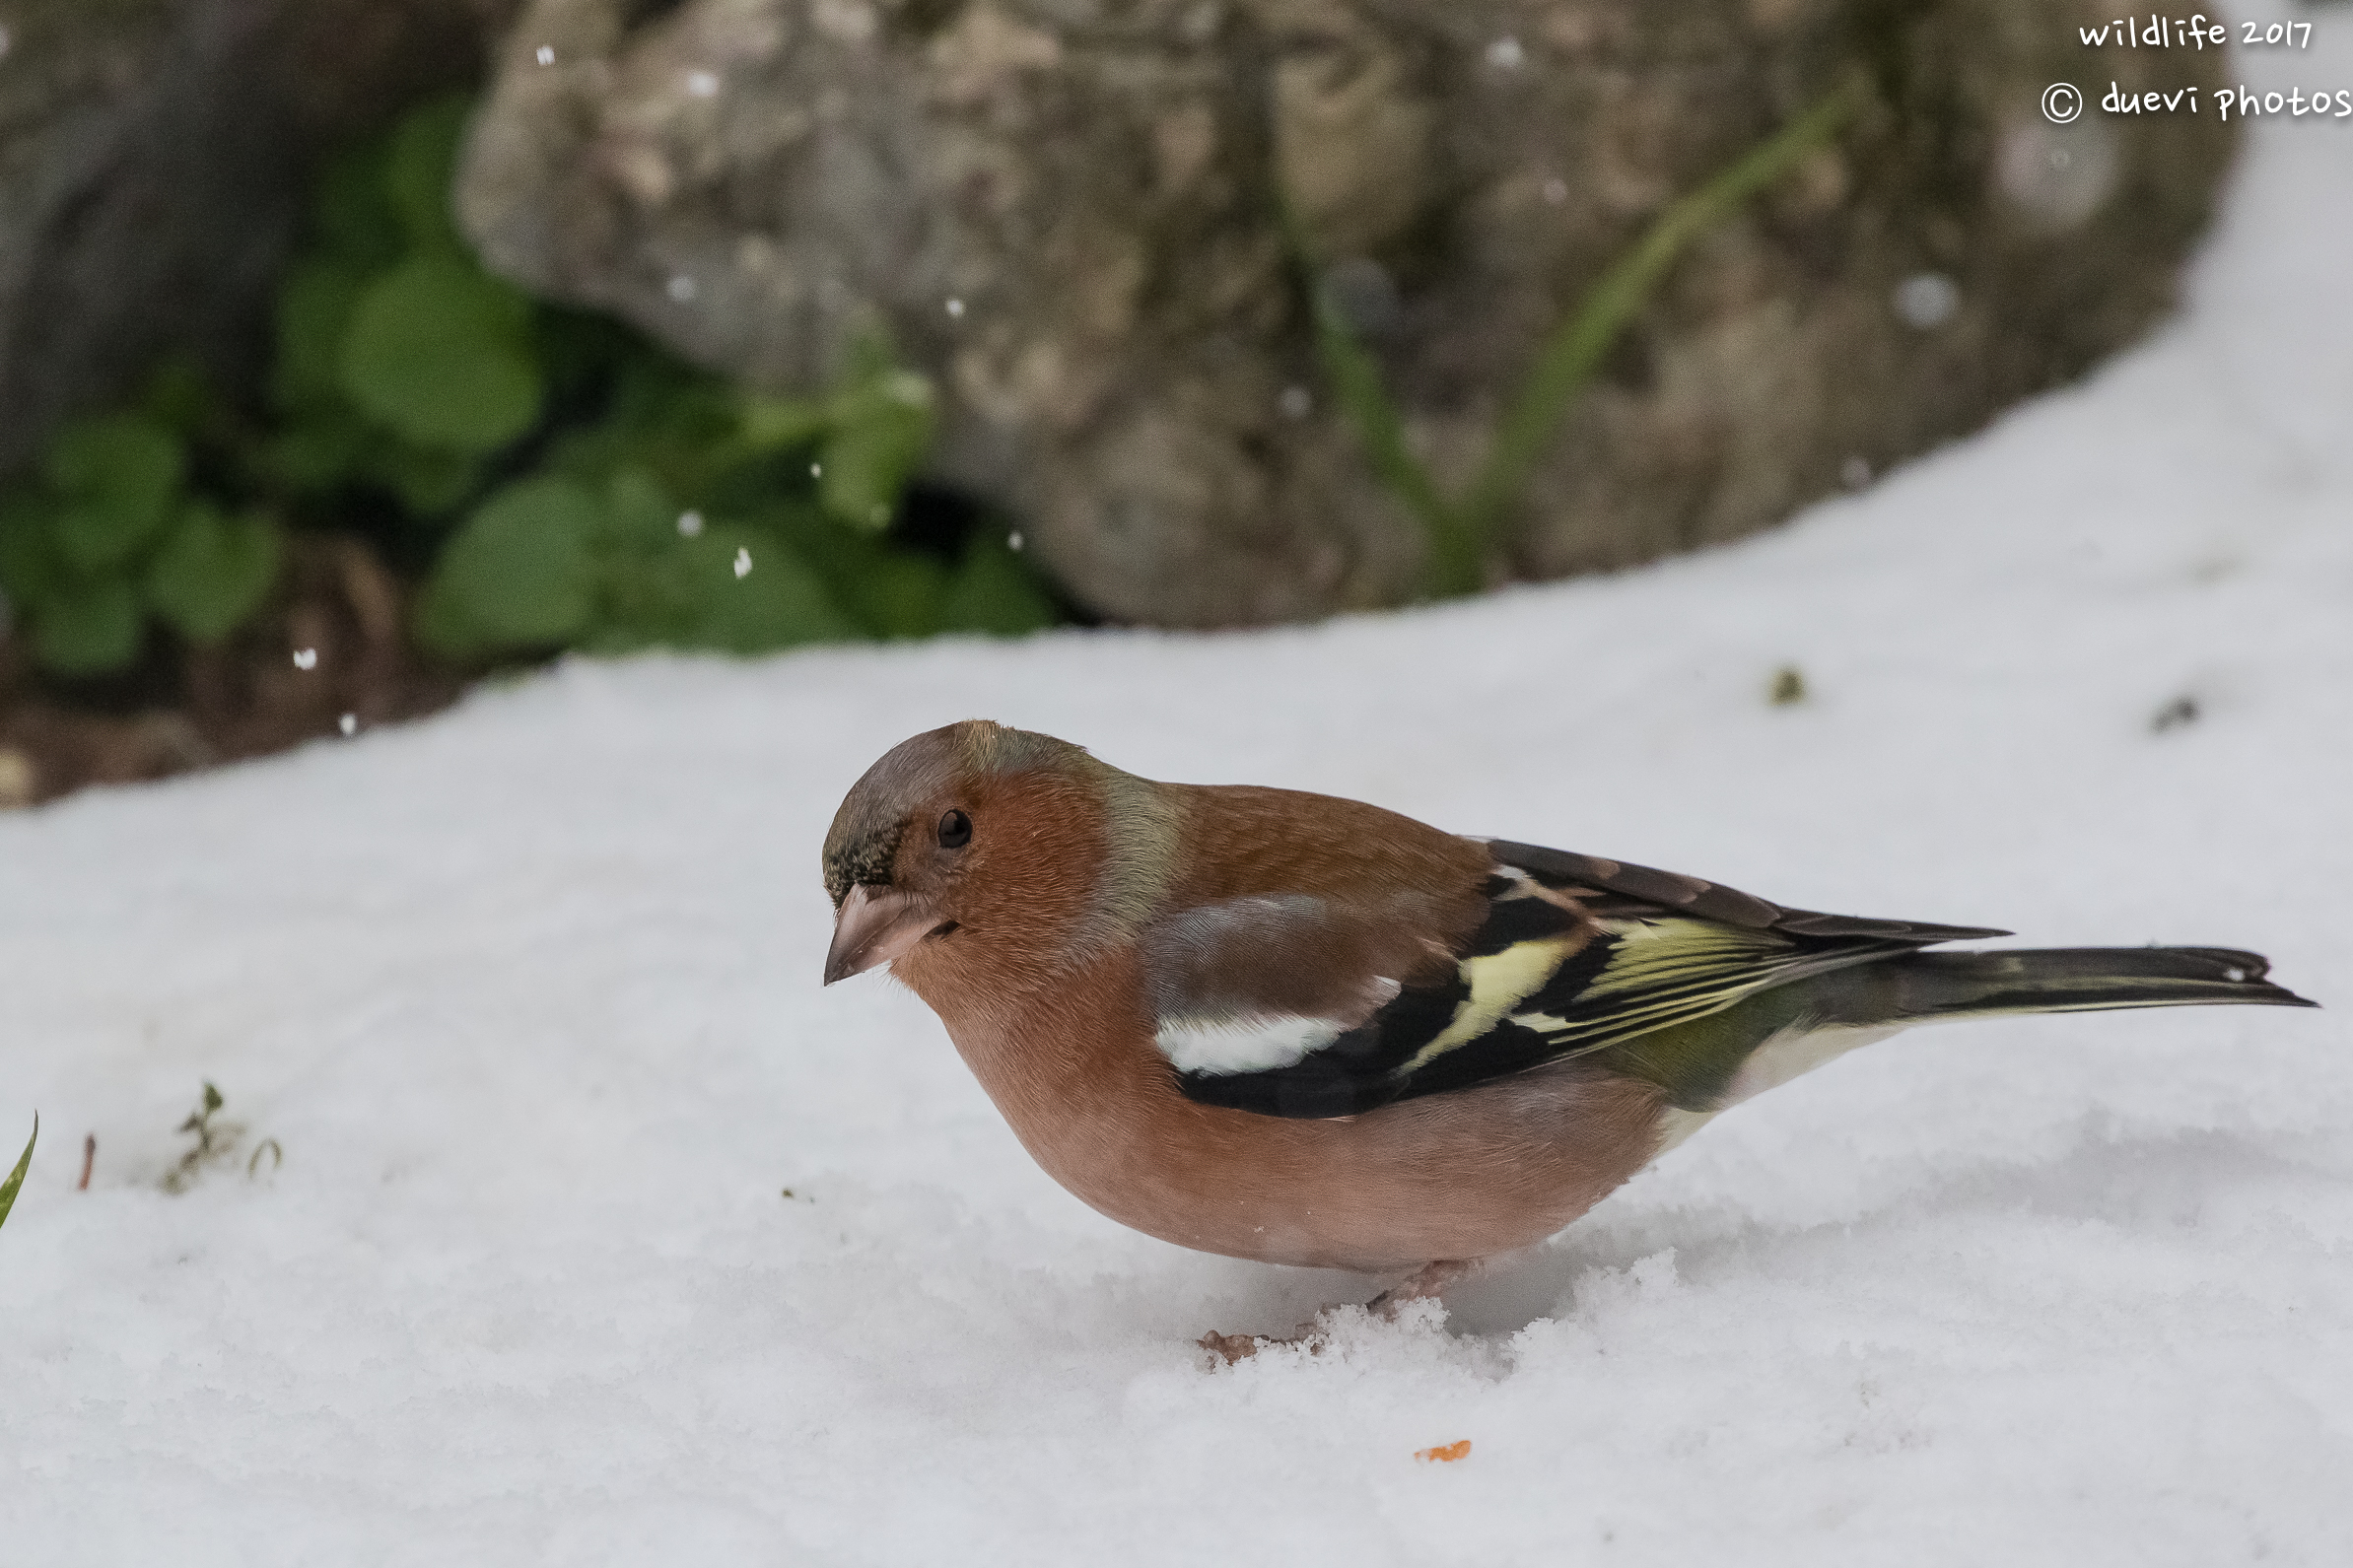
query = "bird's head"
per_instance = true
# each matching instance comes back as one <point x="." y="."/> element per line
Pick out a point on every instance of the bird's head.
<point x="994" y="850"/>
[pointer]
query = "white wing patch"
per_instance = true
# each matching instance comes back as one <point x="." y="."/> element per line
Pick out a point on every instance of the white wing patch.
<point x="1261" y="1042"/>
<point x="1242" y="1044"/>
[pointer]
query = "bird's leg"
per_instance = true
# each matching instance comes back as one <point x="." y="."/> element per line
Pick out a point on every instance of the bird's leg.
<point x="1430" y="1280"/>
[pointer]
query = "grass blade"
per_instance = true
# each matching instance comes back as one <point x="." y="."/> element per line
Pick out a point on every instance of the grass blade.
<point x="1356" y="377"/>
<point x="1576" y="345"/>
<point x="15" y="1178"/>
<point x="1461" y="534"/>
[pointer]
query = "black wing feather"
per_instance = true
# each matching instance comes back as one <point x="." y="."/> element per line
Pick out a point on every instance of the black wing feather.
<point x="1642" y="887"/>
<point x="1586" y="925"/>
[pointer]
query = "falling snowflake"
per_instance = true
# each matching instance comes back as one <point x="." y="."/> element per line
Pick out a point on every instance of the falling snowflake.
<point x="1295" y="403"/>
<point x="1927" y="300"/>
<point x="743" y="562"/>
<point x="305" y="659"/>
<point x="1505" y="55"/>
<point x="702" y="84"/>
<point x="690" y="524"/>
<point x="816" y="470"/>
<point x="955" y="308"/>
<point x="349" y="724"/>
<point x="682" y="287"/>
<point x="548" y="55"/>
<point x="1012" y="541"/>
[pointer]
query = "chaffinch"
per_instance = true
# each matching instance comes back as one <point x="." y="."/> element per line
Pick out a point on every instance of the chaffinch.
<point x="1305" y="1030"/>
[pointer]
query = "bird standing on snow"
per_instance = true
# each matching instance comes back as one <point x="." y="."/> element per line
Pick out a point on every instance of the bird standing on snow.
<point x="1306" y="1030"/>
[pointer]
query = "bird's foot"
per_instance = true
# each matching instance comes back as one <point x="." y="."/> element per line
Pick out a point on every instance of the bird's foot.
<point x="1232" y="1347"/>
<point x="1426" y="1282"/>
<point x="1315" y="1333"/>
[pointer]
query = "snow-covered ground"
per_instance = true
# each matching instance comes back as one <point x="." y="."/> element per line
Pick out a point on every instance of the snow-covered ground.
<point x="528" y="995"/>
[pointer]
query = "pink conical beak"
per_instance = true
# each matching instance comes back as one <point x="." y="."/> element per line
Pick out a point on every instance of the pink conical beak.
<point x="874" y="925"/>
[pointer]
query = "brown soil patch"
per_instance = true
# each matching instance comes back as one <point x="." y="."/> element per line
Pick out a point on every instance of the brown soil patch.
<point x="331" y="646"/>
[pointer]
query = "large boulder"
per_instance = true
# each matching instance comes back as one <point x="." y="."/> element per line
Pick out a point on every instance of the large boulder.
<point x="154" y="159"/>
<point x="1067" y="212"/>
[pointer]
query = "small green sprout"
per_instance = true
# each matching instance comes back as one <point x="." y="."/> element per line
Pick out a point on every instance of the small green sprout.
<point x="216" y="1141"/>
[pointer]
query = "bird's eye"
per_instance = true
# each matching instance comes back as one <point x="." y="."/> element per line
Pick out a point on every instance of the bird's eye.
<point x="955" y="831"/>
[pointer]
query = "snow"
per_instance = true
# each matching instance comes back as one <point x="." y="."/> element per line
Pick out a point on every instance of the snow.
<point x="529" y="996"/>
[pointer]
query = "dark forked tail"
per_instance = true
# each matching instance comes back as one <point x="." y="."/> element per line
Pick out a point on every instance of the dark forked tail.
<point x="1917" y="988"/>
<point x="1712" y="1063"/>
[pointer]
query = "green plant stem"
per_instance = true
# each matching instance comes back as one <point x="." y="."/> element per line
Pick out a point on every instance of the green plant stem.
<point x="1461" y="533"/>
<point x="1356" y="377"/>
<point x="1575" y="348"/>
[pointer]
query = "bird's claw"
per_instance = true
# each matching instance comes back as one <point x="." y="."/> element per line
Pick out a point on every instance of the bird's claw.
<point x="1312" y="1335"/>
<point x="1232" y="1347"/>
<point x="1316" y="1332"/>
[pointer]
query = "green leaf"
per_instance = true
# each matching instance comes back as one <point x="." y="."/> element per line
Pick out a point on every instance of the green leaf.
<point x="777" y="603"/>
<point x="15" y="1178"/>
<point x="881" y="431"/>
<point x="590" y="453"/>
<point x="328" y="446"/>
<point x="901" y="593"/>
<point x="429" y="482"/>
<point x="321" y="449"/>
<point x="690" y="594"/>
<point x="314" y="310"/>
<point x="28" y="566"/>
<point x="520" y="573"/>
<point x="354" y="220"/>
<point x="178" y="397"/>
<point x="580" y="346"/>
<point x="420" y="170"/>
<point x="88" y="628"/>
<point x="993" y="593"/>
<point x="438" y="621"/>
<point x="637" y="512"/>
<point x="117" y="476"/>
<point x="213" y="572"/>
<point x="438" y="351"/>
<point x="768" y="423"/>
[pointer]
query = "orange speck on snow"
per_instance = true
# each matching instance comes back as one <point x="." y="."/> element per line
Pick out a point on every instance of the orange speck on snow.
<point x="1445" y="1452"/>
